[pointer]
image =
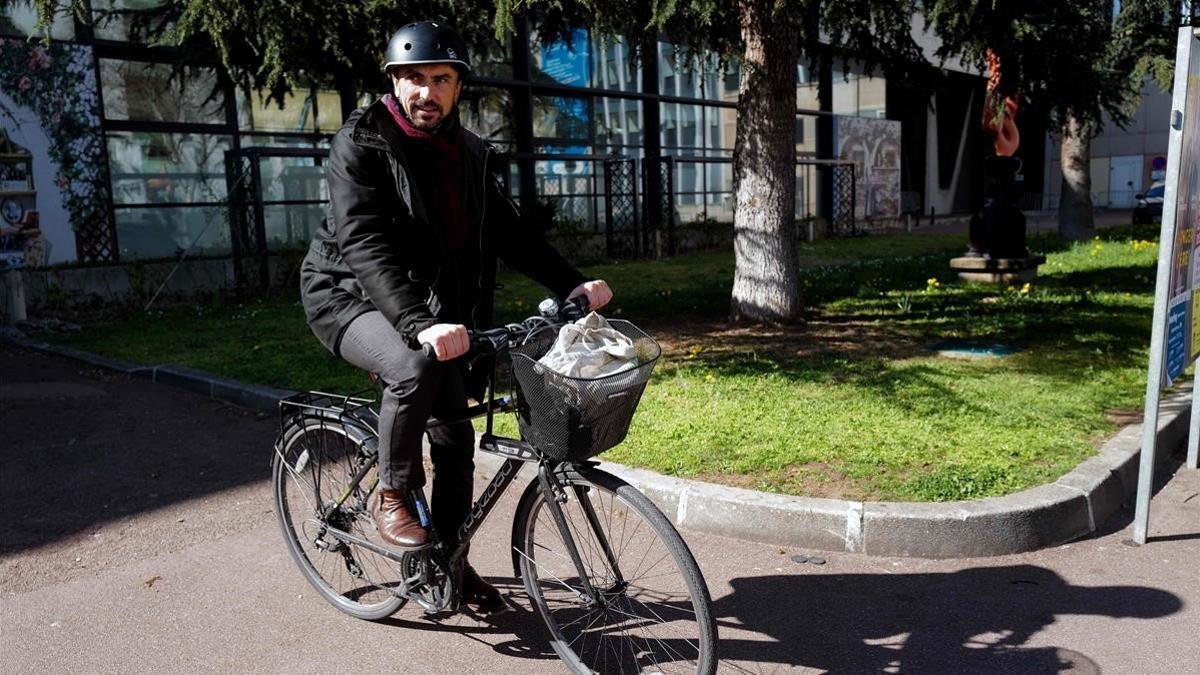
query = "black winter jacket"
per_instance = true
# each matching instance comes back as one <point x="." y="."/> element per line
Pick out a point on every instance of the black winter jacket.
<point x="378" y="249"/>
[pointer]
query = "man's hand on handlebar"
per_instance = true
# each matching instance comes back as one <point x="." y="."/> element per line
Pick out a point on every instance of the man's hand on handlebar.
<point x="597" y="293"/>
<point x="448" y="340"/>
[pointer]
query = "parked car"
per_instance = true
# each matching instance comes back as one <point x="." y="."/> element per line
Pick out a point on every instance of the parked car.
<point x="1149" y="207"/>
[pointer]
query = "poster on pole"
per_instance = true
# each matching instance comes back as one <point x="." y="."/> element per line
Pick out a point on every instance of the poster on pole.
<point x="1181" y="213"/>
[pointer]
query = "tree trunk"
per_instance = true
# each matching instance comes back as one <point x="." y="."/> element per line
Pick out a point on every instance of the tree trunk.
<point x="766" y="281"/>
<point x="1075" y="205"/>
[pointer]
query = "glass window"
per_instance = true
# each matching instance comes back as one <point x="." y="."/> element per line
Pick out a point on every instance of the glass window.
<point x="687" y="69"/>
<point x="614" y="66"/>
<point x="845" y="93"/>
<point x="292" y="179"/>
<point x="808" y="94"/>
<point x="806" y="134"/>
<point x="488" y="112"/>
<point x="688" y="182"/>
<point x="571" y="186"/>
<point x="562" y="118"/>
<point x="872" y="97"/>
<point x="690" y="135"/>
<point x="731" y="79"/>
<point x="134" y="90"/>
<point x="316" y="111"/>
<point x="20" y="19"/>
<point x="618" y="124"/>
<point x="261" y="140"/>
<point x="667" y="81"/>
<point x="329" y="111"/>
<point x="113" y="19"/>
<point x="566" y="62"/>
<point x="154" y="168"/>
<point x="291" y="226"/>
<point x="722" y="128"/>
<point x="683" y="73"/>
<point x="165" y="232"/>
<point x="669" y="124"/>
<point x="494" y="59"/>
<point x="681" y="127"/>
<point x="857" y="94"/>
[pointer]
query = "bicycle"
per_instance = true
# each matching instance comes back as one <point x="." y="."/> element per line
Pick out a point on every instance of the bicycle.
<point x="613" y="581"/>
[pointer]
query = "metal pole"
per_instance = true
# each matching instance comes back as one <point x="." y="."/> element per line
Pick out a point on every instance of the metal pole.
<point x="1166" y="251"/>
<point x="1193" y="441"/>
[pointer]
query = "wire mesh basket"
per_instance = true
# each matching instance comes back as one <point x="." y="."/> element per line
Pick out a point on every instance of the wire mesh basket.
<point x="571" y="418"/>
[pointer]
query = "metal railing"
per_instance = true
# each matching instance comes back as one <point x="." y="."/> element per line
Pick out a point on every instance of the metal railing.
<point x="1111" y="199"/>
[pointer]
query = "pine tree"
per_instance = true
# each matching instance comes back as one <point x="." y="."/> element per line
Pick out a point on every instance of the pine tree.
<point x="1072" y="58"/>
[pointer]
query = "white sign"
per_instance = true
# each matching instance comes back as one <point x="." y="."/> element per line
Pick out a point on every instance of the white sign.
<point x="1176" y="305"/>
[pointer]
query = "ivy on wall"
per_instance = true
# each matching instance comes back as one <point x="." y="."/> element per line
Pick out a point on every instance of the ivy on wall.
<point x="57" y="81"/>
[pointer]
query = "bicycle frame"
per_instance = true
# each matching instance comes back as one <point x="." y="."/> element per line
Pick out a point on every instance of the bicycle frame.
<point x="337" y="409"/>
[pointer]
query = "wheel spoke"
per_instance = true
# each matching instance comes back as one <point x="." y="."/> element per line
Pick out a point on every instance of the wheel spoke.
<point x="313" y="470"/>
<point x="629" y="626"/>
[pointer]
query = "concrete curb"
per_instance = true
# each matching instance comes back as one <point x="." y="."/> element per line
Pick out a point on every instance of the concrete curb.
<point x="1072" y="507"/>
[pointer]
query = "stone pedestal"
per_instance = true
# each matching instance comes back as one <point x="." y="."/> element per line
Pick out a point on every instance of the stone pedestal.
<point x="997" y="270"/>
<point x="996" y="251"/>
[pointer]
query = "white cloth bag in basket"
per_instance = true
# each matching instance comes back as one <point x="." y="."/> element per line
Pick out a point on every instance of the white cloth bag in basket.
<point x="590" y="348"/>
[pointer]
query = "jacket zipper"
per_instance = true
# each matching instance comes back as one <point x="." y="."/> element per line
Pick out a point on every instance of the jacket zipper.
<point x="482" y="255"/>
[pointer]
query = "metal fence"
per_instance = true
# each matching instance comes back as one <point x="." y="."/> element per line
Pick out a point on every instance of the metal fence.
<point x="276" y="200"/>
<point x="1111" y="199"/>
<point x="703" y="191"/>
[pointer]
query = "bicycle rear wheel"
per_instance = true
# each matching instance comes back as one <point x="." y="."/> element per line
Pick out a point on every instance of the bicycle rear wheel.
<point x="311" y="470"/>
<point x="651" y="609"/>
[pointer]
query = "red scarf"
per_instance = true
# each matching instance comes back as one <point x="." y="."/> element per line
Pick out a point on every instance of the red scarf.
<point x="445" y="149"/>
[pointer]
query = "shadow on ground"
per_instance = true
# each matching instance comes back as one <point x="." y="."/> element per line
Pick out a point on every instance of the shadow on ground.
<point x="84" y="447"/>
<point x="974" y="620"/>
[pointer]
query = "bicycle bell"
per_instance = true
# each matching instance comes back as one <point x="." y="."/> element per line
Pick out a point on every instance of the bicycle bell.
<point x="548" y="308"/>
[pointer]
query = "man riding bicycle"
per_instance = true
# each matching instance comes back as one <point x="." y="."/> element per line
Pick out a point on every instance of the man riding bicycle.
<point x="406" y="257"/>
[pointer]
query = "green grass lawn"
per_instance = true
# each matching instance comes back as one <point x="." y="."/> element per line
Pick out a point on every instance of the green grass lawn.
<point x="857" y="403"/>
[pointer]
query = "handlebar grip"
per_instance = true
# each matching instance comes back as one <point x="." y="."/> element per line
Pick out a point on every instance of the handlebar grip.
<point x="429" y="351"/>
<point x="580" y="302"/>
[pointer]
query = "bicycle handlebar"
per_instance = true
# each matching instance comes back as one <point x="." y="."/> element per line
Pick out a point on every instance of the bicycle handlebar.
<point x="492" y="340"/>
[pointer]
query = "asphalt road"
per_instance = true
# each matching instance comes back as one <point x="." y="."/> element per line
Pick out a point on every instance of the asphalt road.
<point x="137" y="536"/>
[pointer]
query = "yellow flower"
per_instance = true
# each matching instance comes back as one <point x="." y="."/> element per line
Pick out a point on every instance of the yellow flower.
<point x="709" y="378"/>
<point x="1026" y="288"/>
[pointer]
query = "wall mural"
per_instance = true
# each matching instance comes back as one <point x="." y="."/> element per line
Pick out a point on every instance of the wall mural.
<point x="874" y="147"/>
<point x="50" y="113"/>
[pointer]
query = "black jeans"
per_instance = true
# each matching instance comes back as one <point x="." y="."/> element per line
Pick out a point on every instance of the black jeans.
<point x="417" y="387"/>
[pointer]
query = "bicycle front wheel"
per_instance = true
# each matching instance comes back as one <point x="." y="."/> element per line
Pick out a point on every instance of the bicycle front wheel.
<point x="312" y="472"/>
<point x="649" y="609"/>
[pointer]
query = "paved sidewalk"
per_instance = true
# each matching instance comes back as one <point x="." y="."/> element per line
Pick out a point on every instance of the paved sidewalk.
<point x="138" y="537"/>
<point x="1074" y="506"/>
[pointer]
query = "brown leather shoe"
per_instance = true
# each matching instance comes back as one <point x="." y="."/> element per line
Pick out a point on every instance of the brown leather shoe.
<point x="396" y="523"/>
<point x="480" y="594"/>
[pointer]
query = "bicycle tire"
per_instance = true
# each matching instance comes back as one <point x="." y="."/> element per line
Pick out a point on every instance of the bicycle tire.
<point x="615" y="635"/>
<point x="316" y="459"/>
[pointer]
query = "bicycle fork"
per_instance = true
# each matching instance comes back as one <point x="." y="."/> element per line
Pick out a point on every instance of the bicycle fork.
<point x="555" y="496"/>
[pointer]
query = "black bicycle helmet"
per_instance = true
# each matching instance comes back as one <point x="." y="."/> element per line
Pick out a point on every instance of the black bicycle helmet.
<point x="427" y="42"/>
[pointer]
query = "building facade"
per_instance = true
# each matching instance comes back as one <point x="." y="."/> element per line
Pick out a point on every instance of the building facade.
<point x="133" y="161"/>
<point x="1125" y="161"/>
